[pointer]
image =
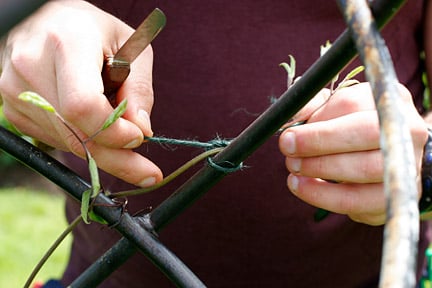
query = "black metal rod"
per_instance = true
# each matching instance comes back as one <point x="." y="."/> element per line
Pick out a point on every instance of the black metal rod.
<point x="401" y="234"/>
<point x="105" y="265"/>
<point x="155" y="251"/>
<point x="13" y="11"/>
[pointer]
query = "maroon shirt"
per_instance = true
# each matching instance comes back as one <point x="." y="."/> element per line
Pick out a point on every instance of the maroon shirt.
<point x="215" y="68"/>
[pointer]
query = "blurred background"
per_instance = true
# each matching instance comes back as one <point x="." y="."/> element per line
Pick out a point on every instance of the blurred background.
<point x="31" y="218"/>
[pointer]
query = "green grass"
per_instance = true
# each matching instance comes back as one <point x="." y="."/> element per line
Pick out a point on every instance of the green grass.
<point x="29" y="222"/>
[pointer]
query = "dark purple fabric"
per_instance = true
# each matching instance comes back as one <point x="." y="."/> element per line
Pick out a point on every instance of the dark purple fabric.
<point x="216" y="66"/>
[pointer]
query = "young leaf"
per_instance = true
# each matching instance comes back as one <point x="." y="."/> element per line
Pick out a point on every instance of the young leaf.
<point x="96" y="218"/>
<point x="85" y="202"/>
<point x="347" y="83"/>
<point x="36" y="100"/>
<point x="290" y="69"/>
<point x="94" y="175"/>
<point x="354" y="72"/>
<point x="116" y="114"/>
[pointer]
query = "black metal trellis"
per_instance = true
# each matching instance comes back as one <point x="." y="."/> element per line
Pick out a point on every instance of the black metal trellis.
<point x="139" y="233"/>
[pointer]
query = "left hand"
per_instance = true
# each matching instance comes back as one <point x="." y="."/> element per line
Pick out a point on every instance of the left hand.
<point x="340" y="142"/>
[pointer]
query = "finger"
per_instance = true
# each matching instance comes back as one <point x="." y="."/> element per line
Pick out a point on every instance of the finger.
<point x="126" y="165"/>
<point x="361" y="132"/>
<point x="345" y="101"/>
<point x="80" y="90"/>
<point x="355" y="167"/>
<point x="364" y="202"/>
<point x="137" y="89"/>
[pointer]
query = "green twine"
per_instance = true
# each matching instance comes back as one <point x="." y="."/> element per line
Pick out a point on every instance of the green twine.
<point x="223" y="169"/>
<point x="212" y="144"/>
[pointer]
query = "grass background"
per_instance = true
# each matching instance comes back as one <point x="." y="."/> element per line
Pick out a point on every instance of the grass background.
<point x="29" y="222"/>
<point x="31" y="218"/>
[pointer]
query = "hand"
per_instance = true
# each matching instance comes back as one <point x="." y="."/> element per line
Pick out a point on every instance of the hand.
<point x="340" y="142"/>
<point x="58" y="53"/>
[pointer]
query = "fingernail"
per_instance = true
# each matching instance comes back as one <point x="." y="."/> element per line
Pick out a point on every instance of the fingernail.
<point x="133" y="144"/>
<point x="145" y="120"/>
<point x="293" y="182"/>
<point x="289" y="143"/>
<point x="147" y="182"/>
<point x="294" y="164"/>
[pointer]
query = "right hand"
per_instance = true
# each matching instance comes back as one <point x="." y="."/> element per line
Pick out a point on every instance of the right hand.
<point x="341" y="142"/>
<point x="58" y="52"/>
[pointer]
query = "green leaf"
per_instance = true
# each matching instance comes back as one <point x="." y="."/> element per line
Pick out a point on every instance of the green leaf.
<point x="354" y="72"/>
<point x="93" y="216"/>
<point x="85" y="202"/>
<point x="285" y="66"/>
<point x="320" y="214"/>
<point x="36" y="100"/>
<point x="347" y="83"/>
<point x="116" y="114"/>
<point x="290" y="69"/>
<point x="94" y="175"/>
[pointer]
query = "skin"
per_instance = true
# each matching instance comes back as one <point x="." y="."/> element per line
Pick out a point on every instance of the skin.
<point x="61" y="59"/>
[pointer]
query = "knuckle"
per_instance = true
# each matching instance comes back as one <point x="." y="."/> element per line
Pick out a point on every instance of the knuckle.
<point x="142" y="87"/>
<point x="373" y="169"/>
<point x="127" y="173"/>
<point x="76" y="105"/>
<point x="347" y="203"/>
<point x="352" y="104"/>
<point x="20" y="60"/>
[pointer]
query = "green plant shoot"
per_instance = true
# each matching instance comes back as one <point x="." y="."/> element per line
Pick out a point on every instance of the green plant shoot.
<point x="94" y="175"/>
<point x="86" y="208"/>
<point x="290" y="69"/>
<point x="116" y="114"/>
<point x="36" y="100"/>
<point x="85" y="205"/>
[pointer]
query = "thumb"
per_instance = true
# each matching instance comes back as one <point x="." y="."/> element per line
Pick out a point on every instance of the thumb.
<point x="138" y="90"/>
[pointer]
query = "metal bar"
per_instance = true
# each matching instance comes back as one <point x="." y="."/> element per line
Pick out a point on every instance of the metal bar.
<point x="398" y="267"/>
<point x="13" y="11"/>
<point x="156" y="252"/>
<point x="105" y="265"/>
